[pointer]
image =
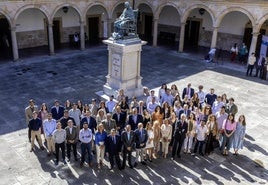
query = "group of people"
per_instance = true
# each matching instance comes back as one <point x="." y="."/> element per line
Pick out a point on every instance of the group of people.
<point x="260" y="64"/>
<point x="160" y="126"/>
<point x="241" y="52"/>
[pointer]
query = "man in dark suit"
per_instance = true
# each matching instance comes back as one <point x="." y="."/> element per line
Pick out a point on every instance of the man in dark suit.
<point x="120" y="119"/>
<point x="134" y="119"/>
<point x="128" y="142"/>
<point x="181" y="128"/>
<point x="71" y="139"/>
<point x="57" y="110"/>
<point x="188" y="91"/>
<point x="185" y="111"/>
<point x="141" y="107"/>
<point x="64" y="120"/>
<point x="92" y="124"/>
<point x="113" y="148"/>
<point x="109" y="123"/>
<point x="141" y="139"/>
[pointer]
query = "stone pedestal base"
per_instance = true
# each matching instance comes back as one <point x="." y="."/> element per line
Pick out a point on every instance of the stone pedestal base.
<point x="124" y="68"/>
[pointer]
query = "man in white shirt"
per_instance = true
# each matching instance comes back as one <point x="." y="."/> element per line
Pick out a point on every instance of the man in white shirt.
<point x="49" y="125"/>
<point x="75" y="113"/>
<point x="110" y="104"/>
<point x="200" y="136"/>
<point x="201" y="95"/>
<point x="251" y="63"/>
<point x="85" y="136"/>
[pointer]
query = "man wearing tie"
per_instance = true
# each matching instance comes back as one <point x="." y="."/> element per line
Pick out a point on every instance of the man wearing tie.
<point x="188" y="91"/>
<point x="71" y="138"/>
<point x="181" y="128"/>
<point x="113" y="149"/>
<point x="57" y="110"/>
<point x="128" y="142"/>
<point x="120" y="119"/>
<point x="134" y="119"/>
<point x="109" y="123"/>
<point x="141" y="139"/>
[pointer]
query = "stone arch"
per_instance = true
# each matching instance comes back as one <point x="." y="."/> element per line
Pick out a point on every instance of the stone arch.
<point x="115" y="6"/>
<point x="43" y="10"/>
<point x="260" y="23"/>
<point x="233" y="9"/>
<point x="189" y="9"/>
<point x="96" y="4"/>
<point x="160" y="8"/>
<point x="146" y="3"/>
<point x="68" y="5"/>
<point x="6" y="15"/>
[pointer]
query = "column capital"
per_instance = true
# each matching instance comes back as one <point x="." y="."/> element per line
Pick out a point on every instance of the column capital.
<point x="183" y="23"/>
<point x="255" y="33"/>
<point x="50" y="24"/>
<point x="82" y="22"/>
<point x="215" y="27"/>
<point x="13" y="28"/>
<point x="156" y="19"/>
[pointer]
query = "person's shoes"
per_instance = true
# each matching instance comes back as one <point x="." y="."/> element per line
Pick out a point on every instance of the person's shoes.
<point x="135" y="164"/>
<point x="130" y="166"/>
<point x="143" y="163"/>
<point x="201" y="153"/>
<point x="64" y="162"/>
<point x="49" y="154"/>
<point x="76" y="159"/>
<point x="193" y="154"/>
<point x="68" y="160"/>
<point x="56" y="163"/>
<point x="42" y="148"/>
<point x="90" y="164"/>
<point x="179" y="156"/>
<point x="81" y="164"/>
<point x="172" y="158"/>
<point x="31" y="150"/>
<point x="189" y="152"/>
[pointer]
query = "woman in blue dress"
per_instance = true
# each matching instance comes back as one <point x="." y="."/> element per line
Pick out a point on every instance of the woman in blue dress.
<point x="239" y="134"/>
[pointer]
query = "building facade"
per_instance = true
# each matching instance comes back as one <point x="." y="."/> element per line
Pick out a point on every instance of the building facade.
<point x="183" y="23"/>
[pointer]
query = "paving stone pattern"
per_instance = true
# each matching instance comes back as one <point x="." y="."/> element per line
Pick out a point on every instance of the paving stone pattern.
<point x="79" y="74"/>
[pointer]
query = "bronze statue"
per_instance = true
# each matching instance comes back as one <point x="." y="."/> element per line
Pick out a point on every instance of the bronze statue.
<point x="125" y="26"/>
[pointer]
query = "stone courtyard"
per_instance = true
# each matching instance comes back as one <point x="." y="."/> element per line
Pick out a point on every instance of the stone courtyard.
<point x="79" y="74"/>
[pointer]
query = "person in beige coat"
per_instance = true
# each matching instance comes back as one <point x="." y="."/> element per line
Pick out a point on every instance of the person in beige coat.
<point x="166" y="133"/>
<point x="109" y="123"/>
<point x="29" y="115"/>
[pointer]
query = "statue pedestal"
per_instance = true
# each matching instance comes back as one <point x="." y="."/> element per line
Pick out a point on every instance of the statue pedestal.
<point x="124" y="68"/>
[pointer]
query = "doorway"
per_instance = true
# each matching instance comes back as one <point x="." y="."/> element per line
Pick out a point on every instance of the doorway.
<point x="191" y="36"/>
<point x="56" y="34"/>
<point x="93" y="30"/>
<point x="5" y="40"/>
<point x="148" y="25"/>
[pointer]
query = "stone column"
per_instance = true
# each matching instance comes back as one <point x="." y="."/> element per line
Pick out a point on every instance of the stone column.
<point x="253" y="42"/>
<point x="182" y="33"/>
<point x="82" y="35"/>
<point x="109" y="27"/>
<point x="155" y="32"/>
<point x="14" y="44"/>
<point x="51" y="39"/>
<point x="214" y="38"/>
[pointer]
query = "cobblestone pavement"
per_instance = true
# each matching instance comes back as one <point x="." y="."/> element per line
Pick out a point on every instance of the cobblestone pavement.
<point x="79" y="74"/>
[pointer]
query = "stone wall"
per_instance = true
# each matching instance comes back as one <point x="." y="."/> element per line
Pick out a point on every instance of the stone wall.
<point x="68" y="31"/>
<point x="30" y="39"/>
<point x="169" y="29"/>
<point x="226" y="40"/>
